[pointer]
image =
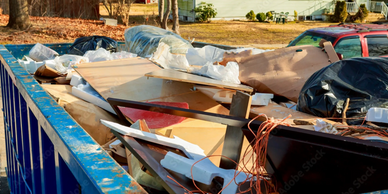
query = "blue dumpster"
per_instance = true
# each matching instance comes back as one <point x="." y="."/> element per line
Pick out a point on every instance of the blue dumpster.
<point x="47" y="151"/>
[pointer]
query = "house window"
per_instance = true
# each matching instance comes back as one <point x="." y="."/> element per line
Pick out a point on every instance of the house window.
<point x="349" y="47"/>
<point x="377" y="45"/>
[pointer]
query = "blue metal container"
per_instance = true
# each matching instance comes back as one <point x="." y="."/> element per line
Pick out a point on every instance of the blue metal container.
<point x="47" y="151"/>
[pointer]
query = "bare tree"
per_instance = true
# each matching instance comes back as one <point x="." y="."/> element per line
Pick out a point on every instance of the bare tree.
<point x="121" y="10"/>
<point x="108" y="4"/>
<point x="161" y="10"/>
<point x="175" y="17"/>
<point x="166" y="14"/>
<point x="18" y="14"/>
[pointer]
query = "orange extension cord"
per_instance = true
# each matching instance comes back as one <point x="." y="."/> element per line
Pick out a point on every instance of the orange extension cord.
<point x="259" y="149"/>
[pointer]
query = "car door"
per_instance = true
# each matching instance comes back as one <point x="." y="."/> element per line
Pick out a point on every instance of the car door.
<point x="377" y="45"/>
<point x="349" y="46"/>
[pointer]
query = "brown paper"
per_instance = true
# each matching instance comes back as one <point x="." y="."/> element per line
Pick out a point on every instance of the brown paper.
<point x="46" y="71"/>
<point x="62" y="80"/>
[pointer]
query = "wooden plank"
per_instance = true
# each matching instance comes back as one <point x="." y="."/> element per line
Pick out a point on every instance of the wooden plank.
<point x="170" y="74"/>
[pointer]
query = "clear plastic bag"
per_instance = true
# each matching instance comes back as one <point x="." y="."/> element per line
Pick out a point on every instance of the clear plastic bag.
<point x="69" y="60"/>
<point x="40" y="53"/>
<point x="122" y="55"/>
<point x="201" y="56"/>
<point x="98" y="55"/>
<point x="143" y="40"/>
<point x="228" y="73"/>
<point x="164" y="58"/>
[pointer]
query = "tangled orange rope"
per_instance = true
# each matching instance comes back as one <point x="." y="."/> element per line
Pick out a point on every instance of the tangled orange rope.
<point x="259" y="150"/>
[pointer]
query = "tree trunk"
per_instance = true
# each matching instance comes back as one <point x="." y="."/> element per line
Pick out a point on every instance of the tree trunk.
<point x="161" y="10"/>
<point x="175" y="17"/>
<point x="18" y="14"/>
<point x="166" y="14"/>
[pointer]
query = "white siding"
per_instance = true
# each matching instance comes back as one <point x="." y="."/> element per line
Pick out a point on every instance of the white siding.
<point x="239" y="8"/>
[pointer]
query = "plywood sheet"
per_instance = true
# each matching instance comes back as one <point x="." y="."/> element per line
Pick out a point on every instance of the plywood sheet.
<point x="170" y="74"/>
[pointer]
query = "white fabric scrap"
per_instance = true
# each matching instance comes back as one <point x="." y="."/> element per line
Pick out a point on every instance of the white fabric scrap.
<point x="324" y="127"/>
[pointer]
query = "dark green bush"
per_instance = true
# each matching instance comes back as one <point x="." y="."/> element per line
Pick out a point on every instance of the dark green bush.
<point x="205" y="11"/>
<point x="251" y="16"/>
<point x="340" y="13"/>
<point x="269" y="15"/>
<point x="261" y="17"/>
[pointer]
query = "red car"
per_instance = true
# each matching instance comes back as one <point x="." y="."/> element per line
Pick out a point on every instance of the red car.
<point x="350" y="40"/>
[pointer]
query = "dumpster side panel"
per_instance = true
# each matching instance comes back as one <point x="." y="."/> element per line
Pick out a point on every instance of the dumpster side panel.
<point x="47" y="151"/>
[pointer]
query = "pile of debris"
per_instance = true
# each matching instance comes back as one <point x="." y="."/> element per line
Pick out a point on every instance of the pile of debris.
<point x="193" y="120"/>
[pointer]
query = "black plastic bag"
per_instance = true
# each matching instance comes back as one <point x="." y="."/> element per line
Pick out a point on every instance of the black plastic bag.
<point x="83" y="44"/>
<point x="363" y="80"/>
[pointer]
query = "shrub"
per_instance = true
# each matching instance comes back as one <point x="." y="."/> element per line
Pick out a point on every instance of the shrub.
<point x="205" y="11"/>
<point x="269" y="15"/>
<point x="340" y="13"/>
<point x="261" y="17"/>
<point x="251" y="16"/>
<point x="295" y="15"/>
<point x="362" y="12"/>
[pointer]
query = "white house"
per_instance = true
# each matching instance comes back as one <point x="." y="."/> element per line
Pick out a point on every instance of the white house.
<point x="237" y="9"/>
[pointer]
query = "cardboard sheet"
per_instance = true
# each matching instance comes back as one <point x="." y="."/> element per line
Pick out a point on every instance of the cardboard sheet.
<point x="283" y="71"/>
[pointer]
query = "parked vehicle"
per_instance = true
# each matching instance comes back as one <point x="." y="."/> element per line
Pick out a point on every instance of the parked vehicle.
<point x="350" y="40"/>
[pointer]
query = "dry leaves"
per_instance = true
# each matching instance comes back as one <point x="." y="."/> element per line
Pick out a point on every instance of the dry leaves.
<point x="55" y="30"/>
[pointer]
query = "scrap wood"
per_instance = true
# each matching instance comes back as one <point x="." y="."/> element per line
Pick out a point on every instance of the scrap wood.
<point x="87" y="115"/>
<point x="190" y="153"/>
<point x="141" y="124"/>
<point x="124" y="79"/>
<point x="155" y="120"/>
<point x="279" y="112"/>
<point x="170" y="74"/>
<point x="46" y="71"/>
<point x="344" y="111"/>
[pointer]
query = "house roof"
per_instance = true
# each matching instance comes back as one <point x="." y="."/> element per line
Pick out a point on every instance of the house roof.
<point x="342" y="29"/>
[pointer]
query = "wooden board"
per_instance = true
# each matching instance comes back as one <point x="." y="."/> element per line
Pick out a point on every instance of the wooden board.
<point x="280" y="112"/>
<point x="86" y="114"/>
<point x="170" y="74"/>
<point x="124" y="79"/>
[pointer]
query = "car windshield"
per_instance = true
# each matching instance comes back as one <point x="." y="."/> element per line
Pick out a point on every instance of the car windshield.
<point x="309" y="38"/>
